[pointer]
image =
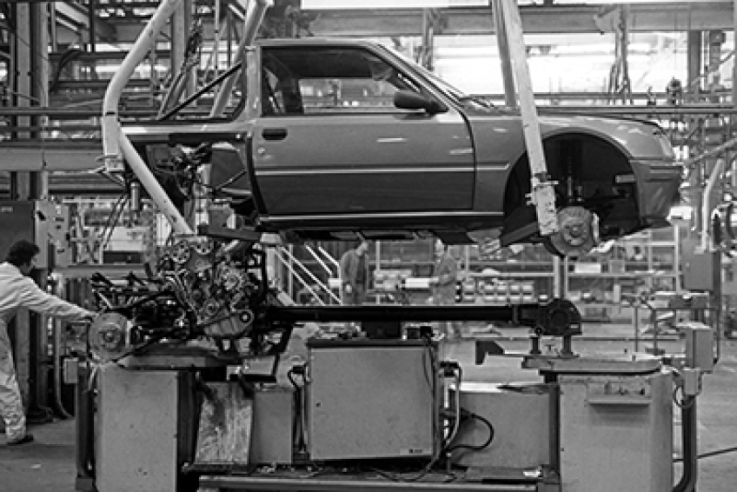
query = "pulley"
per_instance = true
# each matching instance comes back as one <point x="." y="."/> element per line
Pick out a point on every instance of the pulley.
<point x="109" y="336"/>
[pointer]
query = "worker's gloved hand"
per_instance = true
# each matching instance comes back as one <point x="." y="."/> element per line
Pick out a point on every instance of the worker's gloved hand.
<point x="348" y="289"/>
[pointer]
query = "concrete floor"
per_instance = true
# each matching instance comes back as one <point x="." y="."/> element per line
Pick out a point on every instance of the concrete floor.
<point x="48" y="463"/>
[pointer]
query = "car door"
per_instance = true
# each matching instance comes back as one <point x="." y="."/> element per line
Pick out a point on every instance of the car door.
<point x="330" y="140"/>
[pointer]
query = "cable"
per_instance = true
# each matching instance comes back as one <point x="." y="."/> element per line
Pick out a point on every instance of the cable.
<point x="683" y="403"/>
<point x="112" y="221"/>
<point x="710" y="454"/>
<point x="457" y="408"/>
<point x="472" y="447"/>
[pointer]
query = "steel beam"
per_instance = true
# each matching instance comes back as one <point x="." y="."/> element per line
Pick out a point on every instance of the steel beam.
<point x="342" y="483"/>
<point x="535" y="20"/>
<point x="673" y="17"/>
<point x="79" y="17"/>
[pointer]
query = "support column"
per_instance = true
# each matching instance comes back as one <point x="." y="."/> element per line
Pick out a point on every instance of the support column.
<point x="734" y="65"/>
<point x="505" y="56"/>
<point x="181" y="22"/>
<point x="694" y="62"/>
<point x="29" y="85"/>
<point x="543" y="192"/>
<point x="733" y="120"/>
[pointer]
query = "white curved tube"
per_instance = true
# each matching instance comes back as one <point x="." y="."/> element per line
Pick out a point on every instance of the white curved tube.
<point x="110" y="124"/>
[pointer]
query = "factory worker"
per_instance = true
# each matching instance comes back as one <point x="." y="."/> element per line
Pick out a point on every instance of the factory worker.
<point x="443" y="285"/>
<point x="18" y="290"/>
<point x="354" y="274"/>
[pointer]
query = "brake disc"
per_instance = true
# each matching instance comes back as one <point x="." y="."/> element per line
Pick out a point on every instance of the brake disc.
<point x="578" y="231"/>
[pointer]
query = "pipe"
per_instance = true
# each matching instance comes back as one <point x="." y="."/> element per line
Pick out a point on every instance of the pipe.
<point x="216" y="39"/>
<point x="254" y="18"/>
<point x="58" y="291"/>
<point x="111" y="130"/>
<point x="706" y="204"/>
<point x="690" y="445"/>
<point x="84" y="424"/>
<point x="115" y="142"/>
<point x="58" y="403"/>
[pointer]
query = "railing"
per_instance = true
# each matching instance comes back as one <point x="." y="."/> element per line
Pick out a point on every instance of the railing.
<point x="318" y="290"/>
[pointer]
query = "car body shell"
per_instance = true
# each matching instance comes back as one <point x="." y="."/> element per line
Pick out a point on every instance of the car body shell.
<point x="342" y="174"/>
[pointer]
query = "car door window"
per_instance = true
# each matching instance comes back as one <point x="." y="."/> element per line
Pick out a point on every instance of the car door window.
<point x="329" y="80"/>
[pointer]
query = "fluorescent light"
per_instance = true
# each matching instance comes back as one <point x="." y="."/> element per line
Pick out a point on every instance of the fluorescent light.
<point x="618" y="2"/>
<point x="389" y="4"/>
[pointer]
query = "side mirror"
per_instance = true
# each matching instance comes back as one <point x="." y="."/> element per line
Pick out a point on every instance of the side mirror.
<point x="404" y="99"/>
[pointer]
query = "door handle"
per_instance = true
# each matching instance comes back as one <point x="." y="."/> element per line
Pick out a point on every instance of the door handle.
<point x="274" y="133"/>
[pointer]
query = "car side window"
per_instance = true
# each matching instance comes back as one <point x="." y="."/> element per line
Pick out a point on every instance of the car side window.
<point x="330" y="80"/>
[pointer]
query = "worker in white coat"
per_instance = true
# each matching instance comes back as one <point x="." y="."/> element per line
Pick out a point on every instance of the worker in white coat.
<point x="18" y="290"/>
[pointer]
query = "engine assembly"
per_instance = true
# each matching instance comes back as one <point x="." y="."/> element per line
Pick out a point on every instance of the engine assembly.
<point x="199" y="288"/>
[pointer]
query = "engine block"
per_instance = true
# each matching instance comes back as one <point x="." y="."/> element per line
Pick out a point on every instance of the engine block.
<point x="199" y="288"/>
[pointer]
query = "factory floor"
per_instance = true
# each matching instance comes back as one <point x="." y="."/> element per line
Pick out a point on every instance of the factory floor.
<point x="48" y="463"/>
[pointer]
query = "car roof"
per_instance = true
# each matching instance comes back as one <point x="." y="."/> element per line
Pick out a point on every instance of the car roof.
<point x="314" y="42"/>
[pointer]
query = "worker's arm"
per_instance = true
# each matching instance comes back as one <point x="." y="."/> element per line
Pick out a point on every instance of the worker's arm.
<point x="32" y="297"/>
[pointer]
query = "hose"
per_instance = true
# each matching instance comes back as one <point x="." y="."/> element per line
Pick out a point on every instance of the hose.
<point x="690" y="458"/>
<point x="58" y="403"/>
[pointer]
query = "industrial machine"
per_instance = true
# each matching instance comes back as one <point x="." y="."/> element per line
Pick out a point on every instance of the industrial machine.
<point x="189" y="369"/>
<point x="190" y="388"/>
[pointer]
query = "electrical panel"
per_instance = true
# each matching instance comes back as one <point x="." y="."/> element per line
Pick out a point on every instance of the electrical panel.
<point x="370" y="399"/>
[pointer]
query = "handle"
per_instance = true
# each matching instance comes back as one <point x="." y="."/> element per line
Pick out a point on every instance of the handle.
<point x="274" y="133"/>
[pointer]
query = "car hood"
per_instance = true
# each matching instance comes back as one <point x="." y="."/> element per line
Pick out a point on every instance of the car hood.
<point x="638" y="139"/>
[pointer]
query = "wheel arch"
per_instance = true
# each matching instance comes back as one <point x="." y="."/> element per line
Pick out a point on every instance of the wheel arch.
<point x="601" y="175"/>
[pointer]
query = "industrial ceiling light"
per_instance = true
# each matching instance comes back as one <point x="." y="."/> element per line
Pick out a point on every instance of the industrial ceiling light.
<point x="389" y="4"/>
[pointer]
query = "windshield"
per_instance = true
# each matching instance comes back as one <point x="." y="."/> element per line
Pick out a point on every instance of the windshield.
<point x="454" y="93"/>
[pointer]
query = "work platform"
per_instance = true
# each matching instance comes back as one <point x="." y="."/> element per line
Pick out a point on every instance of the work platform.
<point x="48" y="463"/>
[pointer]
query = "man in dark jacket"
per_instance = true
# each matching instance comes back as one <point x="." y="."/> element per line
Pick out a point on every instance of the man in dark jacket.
<point x="354" y="275"/>
<point x="443" y="285"/>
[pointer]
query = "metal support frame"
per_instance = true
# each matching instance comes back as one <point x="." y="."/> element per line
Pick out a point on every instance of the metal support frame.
<point x="342" y="484"/>
<point x="619" y="79"/>
<point x="430" y="27"/>
<point x="254" y="18"/>
<point x="543" y="190"/>
<point x="504" y="54"/>
<point x="116" y="144"/>
<point x="558" y="317"/>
